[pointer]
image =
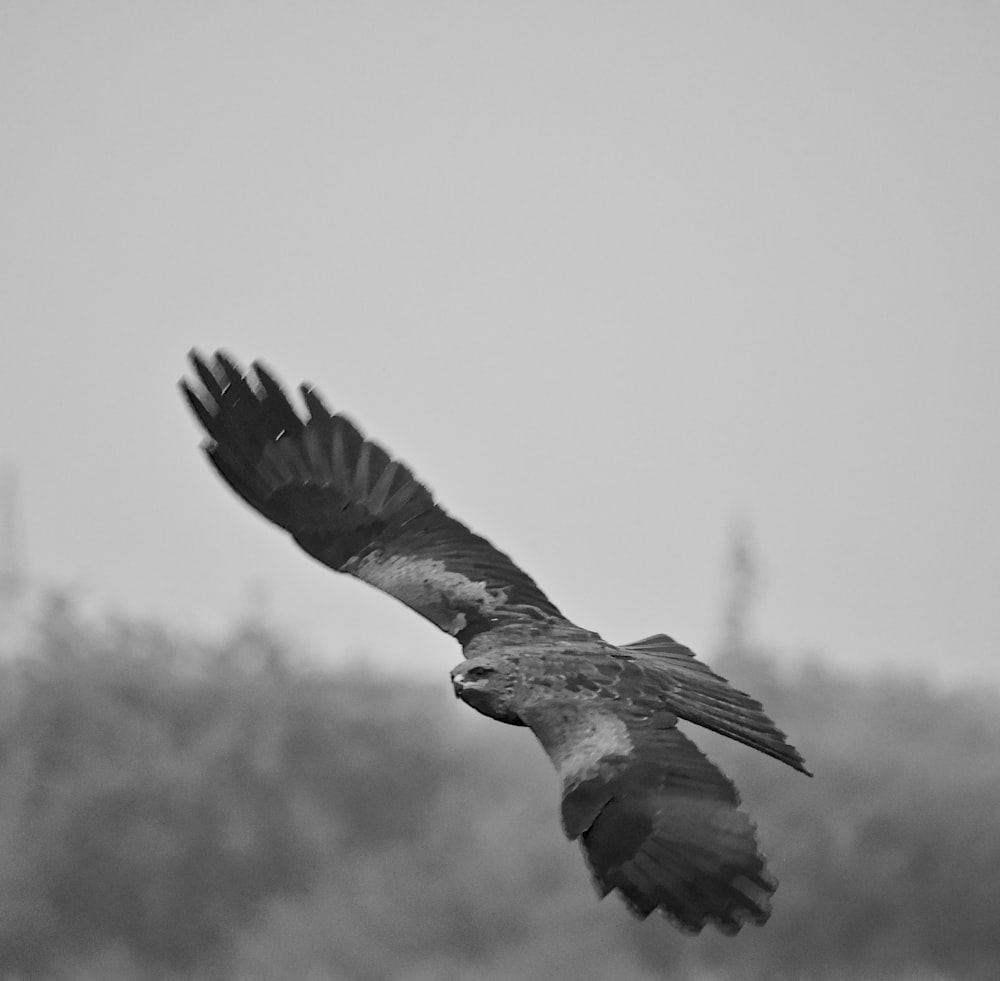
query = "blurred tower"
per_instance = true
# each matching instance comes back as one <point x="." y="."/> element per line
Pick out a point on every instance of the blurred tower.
<point x="12" y="579"/>
<point x="742" y="590"/>
<point x="15" y="597"/>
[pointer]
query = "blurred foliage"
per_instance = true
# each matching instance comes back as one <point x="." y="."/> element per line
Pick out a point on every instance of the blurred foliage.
<point x="172" y="809"/>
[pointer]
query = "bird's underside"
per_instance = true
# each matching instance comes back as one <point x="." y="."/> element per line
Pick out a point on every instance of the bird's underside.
<point x="657" y="821"/>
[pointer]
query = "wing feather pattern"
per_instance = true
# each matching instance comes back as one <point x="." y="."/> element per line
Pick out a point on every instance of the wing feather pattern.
<point x="656" y="819"/>
<point x="347" y="503"/>
<point x="699" y="695"/>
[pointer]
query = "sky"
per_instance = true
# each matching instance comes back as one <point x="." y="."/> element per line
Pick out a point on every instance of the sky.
<point x="613" y="278"/>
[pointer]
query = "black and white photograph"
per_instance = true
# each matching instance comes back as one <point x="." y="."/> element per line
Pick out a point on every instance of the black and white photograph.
<point x="499" y="491"/>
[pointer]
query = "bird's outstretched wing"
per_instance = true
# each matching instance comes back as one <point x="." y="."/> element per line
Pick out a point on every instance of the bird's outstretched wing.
<point x="350" y="505"/>
<point x="657" y="821"/>
<point x="696" y="693"/>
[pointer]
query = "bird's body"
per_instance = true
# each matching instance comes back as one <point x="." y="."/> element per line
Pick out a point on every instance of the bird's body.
<point x="656" y="819"/>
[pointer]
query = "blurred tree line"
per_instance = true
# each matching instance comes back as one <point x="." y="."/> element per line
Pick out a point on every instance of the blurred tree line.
<point x="172" y="809"/>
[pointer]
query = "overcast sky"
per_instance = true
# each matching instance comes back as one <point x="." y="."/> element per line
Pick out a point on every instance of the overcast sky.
<point x="609" y="276"/>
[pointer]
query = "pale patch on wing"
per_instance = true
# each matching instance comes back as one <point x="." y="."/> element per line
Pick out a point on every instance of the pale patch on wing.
<point x="585" y="739"/>
<point x="428" y="586"/>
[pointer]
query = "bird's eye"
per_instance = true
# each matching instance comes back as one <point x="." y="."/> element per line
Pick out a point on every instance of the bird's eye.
<point x="478" y="672"/>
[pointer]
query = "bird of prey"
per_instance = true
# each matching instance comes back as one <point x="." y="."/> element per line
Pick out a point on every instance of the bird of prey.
<point x="657" y="821"/>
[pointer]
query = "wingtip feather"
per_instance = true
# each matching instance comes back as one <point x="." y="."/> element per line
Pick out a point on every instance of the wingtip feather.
<point x="318" y="409"/>
<point x="208" y="378"/>
<point x="196" y="405"/>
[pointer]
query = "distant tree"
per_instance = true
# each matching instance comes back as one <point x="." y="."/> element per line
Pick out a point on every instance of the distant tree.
<point x="157" y="792"/>
<point x="172" y="809"/>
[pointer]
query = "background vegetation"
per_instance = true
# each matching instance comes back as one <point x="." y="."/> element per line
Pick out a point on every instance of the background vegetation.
<point x="170" y="809"/>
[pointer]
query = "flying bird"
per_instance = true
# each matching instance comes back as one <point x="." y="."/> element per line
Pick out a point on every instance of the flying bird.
<point x="657" y="821"/>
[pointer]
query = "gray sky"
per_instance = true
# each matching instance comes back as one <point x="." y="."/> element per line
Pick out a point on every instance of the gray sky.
<point x="609" y="276"/>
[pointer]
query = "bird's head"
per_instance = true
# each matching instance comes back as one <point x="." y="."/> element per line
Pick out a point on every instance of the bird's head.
<point x="489" y="685"/>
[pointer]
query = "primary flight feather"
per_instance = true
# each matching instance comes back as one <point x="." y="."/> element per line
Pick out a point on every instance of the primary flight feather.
<point x="657" y="821"/>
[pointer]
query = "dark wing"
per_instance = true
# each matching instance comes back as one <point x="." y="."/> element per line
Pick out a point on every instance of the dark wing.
<point x="657" y="820"/>
<point x="698" y="694"/>
<point x="348" y="504"/>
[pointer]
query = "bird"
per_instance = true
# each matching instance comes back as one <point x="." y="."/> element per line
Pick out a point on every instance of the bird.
<point x="658" y="822"/>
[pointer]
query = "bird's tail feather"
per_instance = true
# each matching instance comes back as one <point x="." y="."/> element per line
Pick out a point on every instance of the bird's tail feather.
<point x="699" y="695"/>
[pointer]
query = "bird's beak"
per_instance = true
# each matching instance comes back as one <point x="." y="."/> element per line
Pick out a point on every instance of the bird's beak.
<point x="458" y="683"/>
